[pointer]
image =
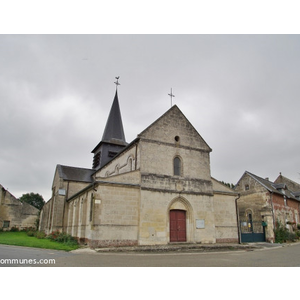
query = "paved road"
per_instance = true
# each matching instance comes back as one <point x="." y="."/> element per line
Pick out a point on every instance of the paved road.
<point x="287" y="256"/>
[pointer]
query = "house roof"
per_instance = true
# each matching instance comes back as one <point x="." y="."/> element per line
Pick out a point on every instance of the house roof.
<point x="75" y="174"/>
<point x="292" y="185"/>
<point x="279" y="188"/>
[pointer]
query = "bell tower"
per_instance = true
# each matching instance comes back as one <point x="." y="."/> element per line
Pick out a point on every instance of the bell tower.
<point x="113" y="139"/>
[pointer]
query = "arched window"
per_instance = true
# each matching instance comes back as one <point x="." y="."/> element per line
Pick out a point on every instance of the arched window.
<point x="177" y="166"/>
<point x="249" y="215"/>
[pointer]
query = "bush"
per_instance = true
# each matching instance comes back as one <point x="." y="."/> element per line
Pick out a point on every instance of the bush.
<point x="53" y="235"/>
<point x="30" y="233"/>
<point x="282" y="234"/>
<point x="40" y="234"/>
<point x="66" y="239"/>
<point x="14" y="229"/>
<point x="62" y="237"/>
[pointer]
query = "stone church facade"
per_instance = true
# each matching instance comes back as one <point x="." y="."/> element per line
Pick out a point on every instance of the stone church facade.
<point x="155" y="190"/>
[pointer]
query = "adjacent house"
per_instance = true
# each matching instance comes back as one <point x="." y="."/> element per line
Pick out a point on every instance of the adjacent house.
<point x="264" y="204"/>
<point x="14" y="213"/>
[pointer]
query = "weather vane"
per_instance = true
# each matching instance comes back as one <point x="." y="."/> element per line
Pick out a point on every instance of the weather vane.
<point x="117" y="82"/>
<point x="171" y="95"/>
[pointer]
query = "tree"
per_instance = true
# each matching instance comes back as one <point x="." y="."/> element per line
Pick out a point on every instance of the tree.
<point x="35" y="200"/>
<point x="230" y="185"/>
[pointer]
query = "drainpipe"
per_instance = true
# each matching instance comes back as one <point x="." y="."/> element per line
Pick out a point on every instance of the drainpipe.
<point x="273" y="216"/>
<point x="238" y="219"/>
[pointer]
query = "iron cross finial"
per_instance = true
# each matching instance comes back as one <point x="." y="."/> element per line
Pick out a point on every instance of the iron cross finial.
<point x="117" y="82"/>
<point x="171" y="95"/>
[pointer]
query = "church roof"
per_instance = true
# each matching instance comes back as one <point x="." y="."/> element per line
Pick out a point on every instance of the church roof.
<point x="75" y="174"/>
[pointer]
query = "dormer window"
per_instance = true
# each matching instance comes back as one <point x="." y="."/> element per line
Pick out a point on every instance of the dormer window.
<point x="177" y="166"/>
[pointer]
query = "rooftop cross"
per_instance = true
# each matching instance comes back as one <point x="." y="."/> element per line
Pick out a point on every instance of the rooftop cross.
<point x="171" y="95"/>
<point x="117" y="82"/>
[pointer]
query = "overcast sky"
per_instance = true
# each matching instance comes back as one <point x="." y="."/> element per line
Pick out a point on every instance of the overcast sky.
<point x="240" y="92"/>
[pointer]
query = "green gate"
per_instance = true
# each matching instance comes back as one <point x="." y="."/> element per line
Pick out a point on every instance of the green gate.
<point x="252" y="232"/>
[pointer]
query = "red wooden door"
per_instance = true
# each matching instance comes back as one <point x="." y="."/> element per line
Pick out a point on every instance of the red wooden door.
<point x="177" y="226"/>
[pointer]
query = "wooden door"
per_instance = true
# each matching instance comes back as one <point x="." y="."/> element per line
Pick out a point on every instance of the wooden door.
<point x="177" y="226"/>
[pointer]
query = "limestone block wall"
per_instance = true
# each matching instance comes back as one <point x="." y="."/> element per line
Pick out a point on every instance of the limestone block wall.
<point x="133" y="177"/>
<point x="225" y="213"/>
<point x="44" y="216"/>
<point x="225" y="218"/>
<point x="125" y="162"/>
<point x="52" y="214"/>
<point x="155" y="211"/>
<point x="158" y="157"/>
<point x="106" y="217"/>
<point x="174" y="124"/>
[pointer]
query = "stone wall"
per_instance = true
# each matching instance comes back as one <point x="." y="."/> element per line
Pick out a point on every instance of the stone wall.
<point x="225" y="213"/>
<point x="285" y="211"/>
<point x="123" y="163"/>
<point x="107" y="215"/>
<point x="155" y="211"/>
<point x="52" y="214"/>
<point x="18" y="214"/>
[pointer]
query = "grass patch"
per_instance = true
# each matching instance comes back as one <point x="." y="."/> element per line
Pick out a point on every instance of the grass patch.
<point x="22" y="239"/>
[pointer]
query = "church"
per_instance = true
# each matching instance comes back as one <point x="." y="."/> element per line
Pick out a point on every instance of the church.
<point x="155" y="190"/>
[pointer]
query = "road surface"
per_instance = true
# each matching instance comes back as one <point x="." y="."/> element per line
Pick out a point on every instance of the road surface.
<point x="14" y="256"/>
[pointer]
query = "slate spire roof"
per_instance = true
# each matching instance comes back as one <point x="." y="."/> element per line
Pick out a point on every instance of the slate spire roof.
<point x="114" y="131"/>
<point x="113" y="139"/>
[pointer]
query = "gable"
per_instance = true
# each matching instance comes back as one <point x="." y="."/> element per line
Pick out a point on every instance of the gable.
<point x="173" y="127"/>
<point x="292" y="185"/>
<point x="219" y="187"/>
<point x="250" y="182"/>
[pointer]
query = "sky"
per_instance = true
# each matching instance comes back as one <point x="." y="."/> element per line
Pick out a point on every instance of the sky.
<point x="240" y="92"/>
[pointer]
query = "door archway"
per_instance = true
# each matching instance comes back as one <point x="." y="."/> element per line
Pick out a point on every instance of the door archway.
<point x="181" y="204"/>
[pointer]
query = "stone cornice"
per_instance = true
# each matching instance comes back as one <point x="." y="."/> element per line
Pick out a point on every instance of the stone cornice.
<point x="173" y="145"/>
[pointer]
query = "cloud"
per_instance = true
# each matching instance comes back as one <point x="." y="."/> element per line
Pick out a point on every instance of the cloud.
<point x="239" y="91"/>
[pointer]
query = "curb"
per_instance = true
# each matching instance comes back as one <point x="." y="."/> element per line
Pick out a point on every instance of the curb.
<point x="184" y="248"/>
<point x="179" y="248"/>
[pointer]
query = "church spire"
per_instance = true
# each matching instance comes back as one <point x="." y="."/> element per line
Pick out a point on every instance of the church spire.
<point x="114" y="131"/>
<point x="113" y="139"/>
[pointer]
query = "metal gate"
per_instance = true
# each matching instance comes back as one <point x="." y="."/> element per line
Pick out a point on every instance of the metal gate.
<point x="252" y="232"/>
